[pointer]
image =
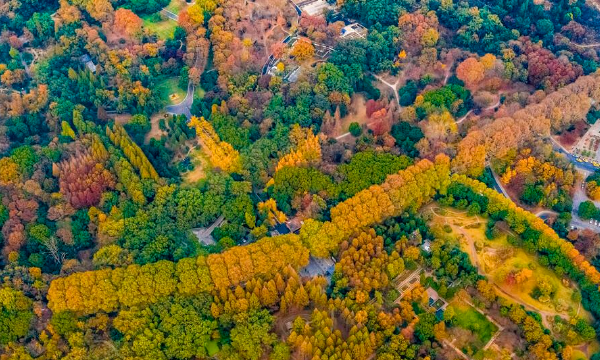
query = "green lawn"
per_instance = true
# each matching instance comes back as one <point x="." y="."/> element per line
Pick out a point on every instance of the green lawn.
<point x="175" y="6"/>
<point x="212" y="348"/>
<point x="164" y="28"/>
<point x="468" y="318"/>
<point x="170" y="86"/>
<point x="199" y="92"/>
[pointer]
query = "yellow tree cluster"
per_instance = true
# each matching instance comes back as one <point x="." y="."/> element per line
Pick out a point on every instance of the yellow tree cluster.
<point x="519" y="219"/>
<point x="118" y="135"/>
<point x="285" y="288"/>
<point x="109" y="290"/>
<point x="539" y="342"/>
<point x="221" y="154"/>
<point x="366" y="263"/>
<point x="303" y="49"/>
<point x="15" y="104"/>
<point x="263" y="258"/>
<point x="406" y="190"/>
<point x="592" y="190"/>
<point x="270" y="212"/>
<point x="307" y="149"/>
<point x="529" y="170"/>
<point x="419" y="30"/>
<point x="555" y="112"/>
<point x="321" y="340"/>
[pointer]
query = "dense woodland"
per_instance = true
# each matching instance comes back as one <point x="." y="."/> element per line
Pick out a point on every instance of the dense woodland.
<point x="130" y="229"/>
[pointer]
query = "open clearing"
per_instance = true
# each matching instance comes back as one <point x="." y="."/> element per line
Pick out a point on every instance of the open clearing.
<point x="200" y="162"/>
<point x="155" y="131"/>
<point x="160" y="25"/>
<point x="170" y="92"/>
<point x="175" y="6"/>
<point x="499" y="261"/>
<point x="357" y="113"/>
<point x="471" y="330"/>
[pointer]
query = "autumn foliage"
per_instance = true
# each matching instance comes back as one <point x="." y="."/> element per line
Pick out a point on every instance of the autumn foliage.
<point x="307" y="149"/>
<point x="520" y="220"/>
<point x="556" y="111"/>
<point x="83" y="178"/>
<point x="109" y="290"/>
<point x="127" y="22"/>
<point x="406" y="190"/>
<point x="132" y="151"/>
<point x="221" y="154"/>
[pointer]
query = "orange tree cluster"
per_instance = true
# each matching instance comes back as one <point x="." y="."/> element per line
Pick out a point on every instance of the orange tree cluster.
<point x="109" y="290"/>
<point x="555" y="112"/>
<point x="409" y="189"/>
<point x="366" y="264"/>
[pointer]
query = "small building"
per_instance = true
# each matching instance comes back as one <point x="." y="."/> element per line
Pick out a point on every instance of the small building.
<point x="353" y="31"/>
<point x="426" y="246"/>
<point x="281" y="229"/>
<point x="436" y="303"/>
<point x="87" y="61"/>
<point x="314" y="7"/>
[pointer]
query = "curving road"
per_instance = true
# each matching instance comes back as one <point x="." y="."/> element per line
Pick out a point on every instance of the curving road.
<point x="583" y="165"/>
<point x="171" y="15"/>
<point x="184" y="107"/>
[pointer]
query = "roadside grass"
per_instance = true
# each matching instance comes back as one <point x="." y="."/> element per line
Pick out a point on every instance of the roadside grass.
<point x="168" y="87"/>
<point x="160" y="25"/>
<point x="199" y="92"/>
<point x="175" y="6"/>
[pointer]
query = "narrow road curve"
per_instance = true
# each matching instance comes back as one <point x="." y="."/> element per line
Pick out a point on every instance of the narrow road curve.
<point x="171" y="15"/>
<point x="485" y="109"/>
<point x="393" y="86"/>
<point x="184" y="107"/>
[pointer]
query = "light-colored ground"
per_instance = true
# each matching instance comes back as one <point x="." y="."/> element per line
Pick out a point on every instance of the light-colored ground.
<point x="588" y="147"/>
<point x="122" y="119"/>
<point x="200" y="164"/>
<point x="357" y="113"/>
<point x="155" y="131"/>
<point x="175" y="6"/>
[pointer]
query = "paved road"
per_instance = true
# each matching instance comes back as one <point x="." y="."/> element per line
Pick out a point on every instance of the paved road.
<point x="583" y="165"/>
<point x="171" y="15"/>
<point x="184" y="107"/>
<point x="498" y="185"/>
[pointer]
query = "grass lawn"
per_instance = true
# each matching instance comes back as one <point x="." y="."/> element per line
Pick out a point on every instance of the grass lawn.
<point x="470" y="319"/>
<point x="175" y="6"/>
<point x="199" y="92"/>
<point x="498" y="257"/>
<point x="164" y="28"/>
<point x="212" y="348"/>
<point x="170" y="91"/>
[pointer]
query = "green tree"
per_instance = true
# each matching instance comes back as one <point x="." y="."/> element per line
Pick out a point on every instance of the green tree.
<point x="587" y="210"/>
<point x="355" y="129"/>
<point x="15" y="315"/>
